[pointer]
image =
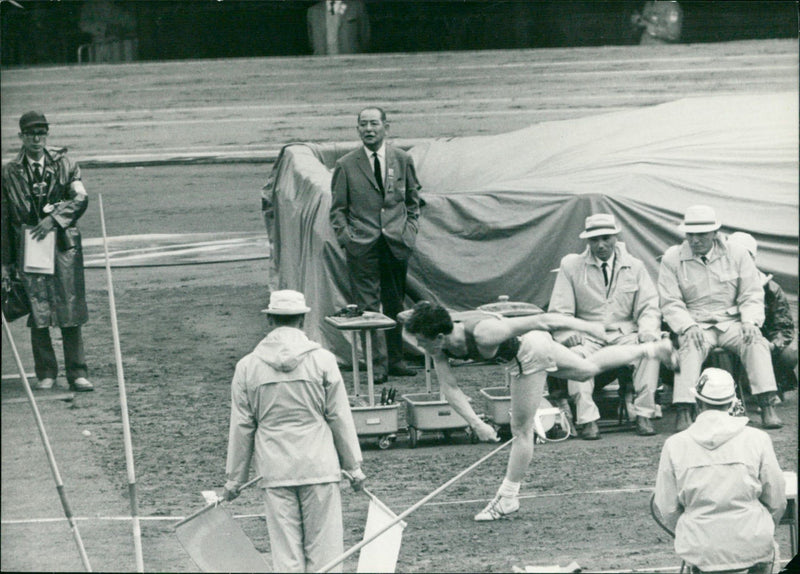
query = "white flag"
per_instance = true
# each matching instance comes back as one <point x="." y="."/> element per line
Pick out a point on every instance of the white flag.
<point x="381" y="554"/>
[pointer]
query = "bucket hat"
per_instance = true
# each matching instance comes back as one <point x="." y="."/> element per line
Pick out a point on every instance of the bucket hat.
<point x="745" y="240"/>
<point x="286" y="302"/>
<point x="715" y="387"/>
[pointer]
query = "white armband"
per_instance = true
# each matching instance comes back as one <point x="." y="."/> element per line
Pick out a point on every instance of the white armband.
<point x="77" y="187"/>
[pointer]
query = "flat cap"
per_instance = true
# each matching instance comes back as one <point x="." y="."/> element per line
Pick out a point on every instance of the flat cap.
<point x="32" y="120"/>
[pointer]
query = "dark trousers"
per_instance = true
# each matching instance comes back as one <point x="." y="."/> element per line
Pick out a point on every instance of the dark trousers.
<point x="44" y="357"/>
<point x="378" y="279"/>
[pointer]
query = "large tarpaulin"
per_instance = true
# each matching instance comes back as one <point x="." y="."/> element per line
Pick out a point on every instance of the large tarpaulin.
<point x="501" y="211"/>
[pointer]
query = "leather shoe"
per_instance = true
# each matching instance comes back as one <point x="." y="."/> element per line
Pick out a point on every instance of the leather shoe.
<point x="46" y="383"/>
<point x="644" y="427"/>
<point x="589" y="431"/>
<point x="81" y="385"/>
<point x="401" y="370"/>
<point x="769" y="418"/>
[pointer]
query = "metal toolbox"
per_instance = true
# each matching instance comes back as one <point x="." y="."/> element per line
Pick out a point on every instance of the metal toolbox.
<point x="427" y="411"/>
<point x="497" y="401"/>
<point x="375" y="420"/>
<point x="379" y="421"/>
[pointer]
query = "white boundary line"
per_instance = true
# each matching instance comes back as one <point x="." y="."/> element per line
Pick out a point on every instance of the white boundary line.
<point x="447" y="503"/>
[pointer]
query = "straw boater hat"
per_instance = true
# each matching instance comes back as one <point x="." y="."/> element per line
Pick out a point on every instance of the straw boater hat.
<point x="700" y="219"/>
<point x="715" y="387"/>
<point x="286" y="302"/>
<point x="599" y="224"/>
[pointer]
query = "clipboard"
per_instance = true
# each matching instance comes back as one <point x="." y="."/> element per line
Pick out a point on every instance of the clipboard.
<point x="38" y="256"/>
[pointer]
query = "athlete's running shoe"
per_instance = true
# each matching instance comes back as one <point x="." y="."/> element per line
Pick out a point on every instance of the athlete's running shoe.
<point x="499" y="507"/>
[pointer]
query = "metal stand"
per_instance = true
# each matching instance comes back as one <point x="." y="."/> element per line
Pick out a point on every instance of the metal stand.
<point x="372" y="421"/>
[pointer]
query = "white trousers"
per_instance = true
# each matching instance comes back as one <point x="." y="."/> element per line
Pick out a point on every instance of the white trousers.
<point x="645" y="381"/>
<point x="305" y="526"/>
<point x="755" y="357"/>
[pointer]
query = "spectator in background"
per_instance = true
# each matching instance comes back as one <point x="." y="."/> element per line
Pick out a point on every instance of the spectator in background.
<point x="719" y="486"/>
<point x="289" y="407"/>
<point x="375" y="216"/>
<point x="778" y="327"/>
<point x="711" y="297"/>
<point x="607" y="285"/>
<point x="660" y="22"/>
<point x="338" y="27"/>
<point x="42" y="190"/>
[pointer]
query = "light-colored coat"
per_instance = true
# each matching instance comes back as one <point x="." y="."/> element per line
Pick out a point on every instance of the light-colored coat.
<point x="719" y="487"/>
<point x="725" y="290"/>
<point x="360" y="213"/>
<point x="630" y="303"/>
<point x="289" y="404"/>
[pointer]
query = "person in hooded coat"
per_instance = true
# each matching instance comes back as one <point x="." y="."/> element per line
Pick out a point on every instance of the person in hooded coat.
<point x="289" y="406"/>
<point x="719" y="486"/>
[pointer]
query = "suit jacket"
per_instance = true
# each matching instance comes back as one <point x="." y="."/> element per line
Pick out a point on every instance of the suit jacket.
<point x="353" y="36"/>
<point x="360" y="213"/>
<point x="630" y="303"/>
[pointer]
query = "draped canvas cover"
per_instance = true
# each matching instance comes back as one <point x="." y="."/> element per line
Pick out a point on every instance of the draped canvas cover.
<point x="500" y="211"/>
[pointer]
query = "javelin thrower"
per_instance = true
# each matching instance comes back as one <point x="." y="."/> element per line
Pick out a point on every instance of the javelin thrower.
<point x="480" y="335"/>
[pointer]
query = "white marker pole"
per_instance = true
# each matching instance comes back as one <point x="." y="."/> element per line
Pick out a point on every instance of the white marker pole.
<point x="50" y="457"/>
<point x="123" y="401"/>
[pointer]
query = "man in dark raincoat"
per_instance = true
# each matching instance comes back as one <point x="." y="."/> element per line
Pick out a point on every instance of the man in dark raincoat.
<point x="42" y="189"/>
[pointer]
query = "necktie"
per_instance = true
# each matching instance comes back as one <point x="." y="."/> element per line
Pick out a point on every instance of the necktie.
<point x="378" y="171"/>
<point x="37" y="172"/>
<point x="704" y="259"/>
<point x="331" y="6"/>
<point x="605" y="273"/>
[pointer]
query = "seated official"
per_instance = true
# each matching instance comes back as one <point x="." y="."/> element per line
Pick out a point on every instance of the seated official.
<point x="719" y="486"/>
<point x="606" y="284"/>
<point x="711" y="296"/>
<point x="778" y="328"/>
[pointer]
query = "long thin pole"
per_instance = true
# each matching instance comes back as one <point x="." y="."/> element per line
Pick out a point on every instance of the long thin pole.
<point x="211" y="505"/>
<point x="405" y="513"/>
<point x="50" y="457"/>
<point x="373" y="498"/>
<point x="123" y="401"/>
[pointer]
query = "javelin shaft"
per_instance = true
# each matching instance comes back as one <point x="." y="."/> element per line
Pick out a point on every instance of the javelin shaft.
<point x="123" y="401"/>
<point x="405" y="513"/>
<point x="50" y="457"/>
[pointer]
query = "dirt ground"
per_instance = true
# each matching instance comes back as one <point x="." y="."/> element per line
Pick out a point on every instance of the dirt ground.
<point x="182" y="329"/>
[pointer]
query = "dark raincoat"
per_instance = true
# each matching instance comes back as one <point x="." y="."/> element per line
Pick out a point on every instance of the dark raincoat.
<point x="57" y="300"/>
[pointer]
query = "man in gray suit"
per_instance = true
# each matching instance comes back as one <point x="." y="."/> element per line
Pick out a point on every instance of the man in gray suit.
<point x="338" y="27"/>
<point x="374" y="214"/>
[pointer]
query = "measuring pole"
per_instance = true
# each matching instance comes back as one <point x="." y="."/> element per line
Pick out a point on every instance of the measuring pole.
<point x="123" y="401"/>
<point x="50" y="457"/>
